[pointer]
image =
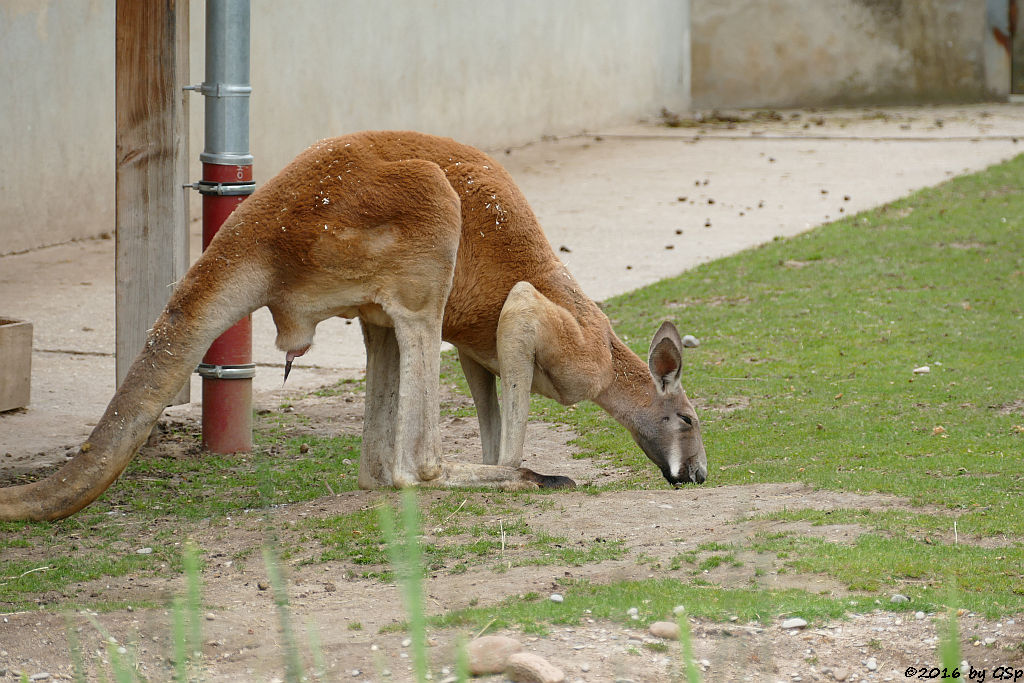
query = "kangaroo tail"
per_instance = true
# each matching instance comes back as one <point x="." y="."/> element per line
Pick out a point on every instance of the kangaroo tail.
<point x="215" y="293"/>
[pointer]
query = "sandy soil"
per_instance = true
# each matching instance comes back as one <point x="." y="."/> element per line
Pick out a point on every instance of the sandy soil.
<point x="242" y="633"/>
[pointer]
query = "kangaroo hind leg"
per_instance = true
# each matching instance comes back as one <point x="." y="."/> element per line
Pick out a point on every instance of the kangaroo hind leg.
<point x="485" y="396"/>
<point x="382" y="383"/>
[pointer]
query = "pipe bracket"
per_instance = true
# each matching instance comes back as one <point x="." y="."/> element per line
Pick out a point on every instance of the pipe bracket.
<point x="221" y="89"/>
<point x="224" y="189"/>
<point x="207" y="371"/>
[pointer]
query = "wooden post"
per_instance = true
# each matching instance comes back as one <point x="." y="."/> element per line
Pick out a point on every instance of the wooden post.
<point x="151" y="68"/>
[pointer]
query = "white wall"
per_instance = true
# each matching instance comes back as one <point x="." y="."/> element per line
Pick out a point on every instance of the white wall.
<point x="489" y="72"/>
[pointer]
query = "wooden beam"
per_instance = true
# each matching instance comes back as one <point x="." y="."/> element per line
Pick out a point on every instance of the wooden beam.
<point x="151" y="68"/>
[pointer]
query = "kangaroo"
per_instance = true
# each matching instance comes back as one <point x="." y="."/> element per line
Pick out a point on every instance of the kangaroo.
<point x="422" y="239"/>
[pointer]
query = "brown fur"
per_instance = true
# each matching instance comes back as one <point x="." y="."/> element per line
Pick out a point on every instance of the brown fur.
<point x="421" y="238"/>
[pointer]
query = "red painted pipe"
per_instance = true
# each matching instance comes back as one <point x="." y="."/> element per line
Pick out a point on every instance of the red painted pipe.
<point x="227" y="403"/>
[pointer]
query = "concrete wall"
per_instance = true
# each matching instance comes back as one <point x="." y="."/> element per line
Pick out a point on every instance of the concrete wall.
<point x="489" y="72"/>
<point x="56" y="121"/>
<point x="777" y="53"/>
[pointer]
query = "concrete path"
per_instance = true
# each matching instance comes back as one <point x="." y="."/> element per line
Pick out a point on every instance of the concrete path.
<point x="614" y="200"/>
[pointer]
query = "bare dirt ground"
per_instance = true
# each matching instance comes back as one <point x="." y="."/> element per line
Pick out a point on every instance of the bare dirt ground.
<point x="242" y="634"/>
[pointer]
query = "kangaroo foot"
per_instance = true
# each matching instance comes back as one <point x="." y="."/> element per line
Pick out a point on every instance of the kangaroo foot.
<point x="546" y="481"/>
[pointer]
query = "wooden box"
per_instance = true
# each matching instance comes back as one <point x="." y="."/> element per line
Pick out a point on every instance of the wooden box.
<point x="15" y="363"/>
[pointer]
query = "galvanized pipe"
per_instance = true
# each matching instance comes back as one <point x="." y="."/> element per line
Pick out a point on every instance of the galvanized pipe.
<point x="227" y="87"/>
<point x="227" y="367"/>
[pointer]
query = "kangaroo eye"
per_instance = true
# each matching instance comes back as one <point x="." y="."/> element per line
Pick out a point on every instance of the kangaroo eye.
<point x="665" y="419"/>
<point x="684" y="418"/>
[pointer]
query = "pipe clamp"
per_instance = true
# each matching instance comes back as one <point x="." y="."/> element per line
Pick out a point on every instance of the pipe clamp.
<point x="221" y="89"/>
<point x="207" y="371"/>
<point x="224" y="189"/>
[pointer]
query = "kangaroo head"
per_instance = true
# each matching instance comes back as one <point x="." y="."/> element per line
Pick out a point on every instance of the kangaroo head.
<point x="670" y="432"/>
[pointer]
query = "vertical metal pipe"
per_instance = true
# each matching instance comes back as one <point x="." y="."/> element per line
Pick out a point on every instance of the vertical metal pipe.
<point x="227" y="368"/>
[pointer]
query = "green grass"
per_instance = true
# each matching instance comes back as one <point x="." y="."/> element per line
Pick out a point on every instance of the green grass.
<point x="655" y="599"/>
<point x="357" y="538"/>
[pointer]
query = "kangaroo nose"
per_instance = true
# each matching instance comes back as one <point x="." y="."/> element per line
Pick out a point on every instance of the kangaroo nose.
<point x="691" y="475"/>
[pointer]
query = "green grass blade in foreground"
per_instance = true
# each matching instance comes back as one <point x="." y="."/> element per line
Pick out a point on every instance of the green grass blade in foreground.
<point x="949" y="633"/>
<point x="293" y="664"/>
<point x="75" y="649"/>
<point x="406" y="560"/>
<point x="686" y="648"/>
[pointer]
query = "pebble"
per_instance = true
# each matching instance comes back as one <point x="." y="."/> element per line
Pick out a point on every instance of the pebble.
<point x="871" y="664"/>
<point x="526" y="667"/>
<point x="144" y="551"/>
<point x="899" y="598"/>
<point x="678" y="609"/>
<point x="794" y="622"/>
<point x="840" y="674"/>
<point x="489" y="654"/>
<point x="919" y="615"/>
<point x="690" y="342"/>
<point x="407" y="642"/>
<point x="557" y="597"/>
<point x="923" y="370"/>
<point x="665" y="629"/>
<point x="44" y="676"/>
<point x="633" y="611"/>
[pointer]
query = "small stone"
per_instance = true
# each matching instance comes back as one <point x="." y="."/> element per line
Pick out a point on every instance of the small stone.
<point x="633" y="611"/>
<point x="584" y="667"/>
<point x="923" y="370"/>
<point x="210" y="616"/>
<point x="407" y="642"/>
<point x="356" y="672"/>
<point x="794" y="622"/>
<point x="990" y="641"/>
<point x="526" y="667"/>
<point x="871" y="664"/>
<point x="897" y="598"/>
<point x="919" y="615"/>
<point x="669" y="630"/>
<point x="43" y="676"/>
<point x="489" y="654"/>
<point x="840" y="674"/>
<point x="263" y="585"/>
<point x="690" y="342"/>
<point x="144" y="551"/>
<point x="557" y="597"/>
<point x="678" y="609"/>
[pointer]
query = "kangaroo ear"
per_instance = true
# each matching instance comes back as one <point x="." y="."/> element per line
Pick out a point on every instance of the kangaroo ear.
<point x="666" y="358"/>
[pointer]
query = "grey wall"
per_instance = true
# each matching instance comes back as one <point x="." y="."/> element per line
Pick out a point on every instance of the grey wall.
<point x="489" y="72"/>
<point x="756" y="53"/>
<point x="56" y="121"/>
